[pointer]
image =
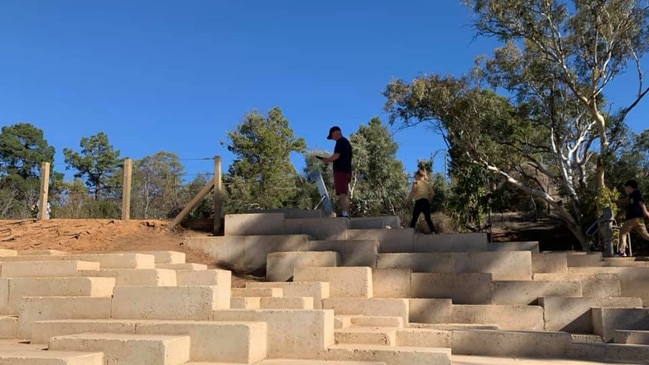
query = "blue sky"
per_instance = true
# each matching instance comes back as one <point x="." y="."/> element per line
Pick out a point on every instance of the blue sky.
<point x="178" y="75"/>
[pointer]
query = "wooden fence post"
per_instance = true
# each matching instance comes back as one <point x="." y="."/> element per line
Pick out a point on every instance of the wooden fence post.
<point x="43" y="212"/>
<point x="218" y="194"/>
<point x="126" y="189"/>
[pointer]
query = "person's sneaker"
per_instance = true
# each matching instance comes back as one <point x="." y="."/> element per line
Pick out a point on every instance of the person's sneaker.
<point x="622" y="253"/>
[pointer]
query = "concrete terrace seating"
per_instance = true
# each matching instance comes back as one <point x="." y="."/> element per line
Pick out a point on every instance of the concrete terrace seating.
<point x="359" y="291"/>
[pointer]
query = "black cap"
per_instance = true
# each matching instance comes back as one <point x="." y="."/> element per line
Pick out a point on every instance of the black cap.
<point x="332" y="130"/>
<point x="632" y="184"/>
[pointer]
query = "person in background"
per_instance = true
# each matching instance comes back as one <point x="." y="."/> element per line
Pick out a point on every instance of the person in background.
<point x="636" y="211"/>
<point x="342" y="166"/>
<point x="422" y="193"/>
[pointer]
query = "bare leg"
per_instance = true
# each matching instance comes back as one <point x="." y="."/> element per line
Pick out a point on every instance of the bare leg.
<point x="344" y="202"/>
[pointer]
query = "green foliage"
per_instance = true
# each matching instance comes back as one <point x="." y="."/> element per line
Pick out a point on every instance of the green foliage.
<point x="157" y="185"/>
<point x="98" y="162"/>
<point x="379" y="182"/>
<point x="22" y="151"/>
<point x="262" y="175"/>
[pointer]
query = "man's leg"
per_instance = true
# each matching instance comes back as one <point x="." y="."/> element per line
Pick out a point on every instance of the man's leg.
<point x="640" y="227"/>
<point x="415" y="214"/>
<point x="624" y="230"/>
<point x="344" y="203"/>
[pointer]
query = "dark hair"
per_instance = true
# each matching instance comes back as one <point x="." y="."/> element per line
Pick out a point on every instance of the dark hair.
<point x="632" y="184"/>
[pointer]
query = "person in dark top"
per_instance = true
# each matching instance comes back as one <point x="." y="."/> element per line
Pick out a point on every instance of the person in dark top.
<point x="636" y="211"/>
<point x="342" y="161"/>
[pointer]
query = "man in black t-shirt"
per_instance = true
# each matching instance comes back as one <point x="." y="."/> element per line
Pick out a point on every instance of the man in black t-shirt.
<point x="636" y="211"/>
<point x="342" y="160"/>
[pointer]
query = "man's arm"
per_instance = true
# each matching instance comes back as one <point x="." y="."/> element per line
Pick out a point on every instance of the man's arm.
<point x="331" y="158"/>
<point x="644" y="209"/>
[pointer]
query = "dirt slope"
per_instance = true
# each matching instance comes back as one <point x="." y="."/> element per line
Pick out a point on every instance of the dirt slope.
<point x="94" y="235"/>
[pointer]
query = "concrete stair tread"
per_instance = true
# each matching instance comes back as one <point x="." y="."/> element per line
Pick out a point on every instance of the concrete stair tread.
<point x="490" y="360"/>
<point x="454" y="326"/>
<point x="586" y="338"/>
<point x="367" y="329"/>
<point x="379" y="348"/>
<point x="295" y="362"/>
<point x="128" y="348"/>
<point x="33" y="354"/>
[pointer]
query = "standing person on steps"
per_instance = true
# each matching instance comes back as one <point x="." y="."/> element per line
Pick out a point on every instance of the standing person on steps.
<point x="342" y="161"/>
<point x="636" y="211"/>
<point x="422" y="192"/>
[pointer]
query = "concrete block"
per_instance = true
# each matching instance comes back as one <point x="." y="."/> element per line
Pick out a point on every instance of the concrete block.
<point x="607" y="320"/>
<point x="352" y="252"/>
<point x="286" y="303"/>
<point x="366" y="336"/>
<point x="506" y="317"/>
<point x="280" y="265"/>
<point x="8" y="327"/>
<point x="136" y="277"/>
<point x="430" y="310"/>
<point x="461" y="242"/>
<point x="183" y="267"/>
<point x="124" y="260"/>
<point x="376" y="321"/>
<point x="252" y="224"/>
<point x="508" y="265"/>
<point x="313" y="362"/>
<point x="291" y="333"/>
<point x="390" y="355"/>
<point x="529" y="291"/>
<point x="246" y="253"/>
<point x="166" y="257"/>
<point x="390" y="240"/>
<point x="5" y="252"/>
<point x="42" y="331"/>
<point x="511" y="343"/>
<point x="369" y="307"/>
<point x="204" y="277"/>
<point x="422" y="337"/>
<point x="550" y="262"/>
<point x="391" y="283"/>
<point x="4" y="296"/>
<point x="34" y="309"/>
<point x="574" y="315"/>
<point x="390" y="222"/>
<point x="257" y="292"/>
<point x="39" y="357"/>
<point x="42" y="252"/>
<point x="592" y="285"/>
<point x="344" y="282"/>
<point x="583" y="259"/>
<point x="295" y="213"/>
<point x="238" y="342"/>
<point x="294" y="289"/>
<point x="245" y="303"/>
<point x="636" y="337"/>
<point x="319" y="228"/>
<point x="66" y="287"/>
<point x="462" y="288"/>
<point x="128" y="349"/>
<point x="416" y="262"/>
<point x="610" y="353"/>
<point x="629" y="279"/>
<point x="532" y="246"/>
<point x="45" y="268"/>
<point x="341" y="321"/>
<point x="167" y="302"/>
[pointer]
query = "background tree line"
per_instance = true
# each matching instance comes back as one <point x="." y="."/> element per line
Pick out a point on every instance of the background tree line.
<point x="528" y="129"/>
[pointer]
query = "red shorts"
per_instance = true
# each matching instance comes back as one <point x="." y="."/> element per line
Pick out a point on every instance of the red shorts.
<point x="341" y="182"/>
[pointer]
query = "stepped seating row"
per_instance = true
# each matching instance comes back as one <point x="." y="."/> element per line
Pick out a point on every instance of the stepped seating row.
<point x="471" y="297"/>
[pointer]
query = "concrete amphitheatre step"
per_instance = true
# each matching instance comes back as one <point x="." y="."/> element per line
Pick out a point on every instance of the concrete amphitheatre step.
<point x="119" y="348"/>
<point x="295" y="362"/>
<point x="241" y="342"/>
<point x="385" y="336"/>
<point x="390" y="354"/>
<point x="634" y="337"/>
<point x="40" y="357"/>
